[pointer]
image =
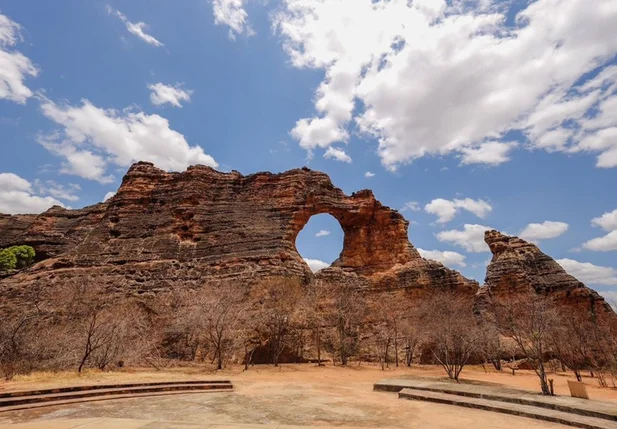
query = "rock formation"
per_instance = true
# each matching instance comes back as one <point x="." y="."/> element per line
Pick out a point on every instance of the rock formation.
<point x="164" y="230"/>
<point x="519" y="267"/>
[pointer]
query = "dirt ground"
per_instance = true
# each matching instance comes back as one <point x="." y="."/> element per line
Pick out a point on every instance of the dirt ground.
<point x="291" y="394"/>
<point x="304" y="373"/>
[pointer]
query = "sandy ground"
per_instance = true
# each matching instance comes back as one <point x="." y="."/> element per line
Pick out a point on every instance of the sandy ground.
<point x="303" y="373"/>
<point x="291" y="394"/>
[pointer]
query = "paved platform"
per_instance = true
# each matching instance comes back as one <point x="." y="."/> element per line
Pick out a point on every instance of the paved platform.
<point x="107" y="423"/>
<point x="584" y="407"/>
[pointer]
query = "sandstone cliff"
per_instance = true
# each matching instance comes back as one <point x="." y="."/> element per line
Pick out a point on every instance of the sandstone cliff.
<point x="164" y="230"/>
<point x="518" y="267"/>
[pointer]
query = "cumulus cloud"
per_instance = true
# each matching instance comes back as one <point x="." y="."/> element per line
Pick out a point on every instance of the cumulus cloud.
<point x="446" y="210"/>
<point x="337" y="154"/>
<point x="92" y="139"/>
<point x="174" y="95"/>
<point x="603" y="244"/>
<point x="136" y="28"/>
<point x="109" y="195"/>
<point x="315" y="264"/>
<point x="437" y="77"/>
<point x="470" y="238"/>
<point x="368" y="174"/>
<point x="590" y="273"/>
<point x="542" y="231"/>
<point x="322" y="233"/>
<point x="232" y="14"/>
<point x="413" y="206"/>
<point x="14" y="66"/>
<point x="446" y="257"/>
<point x="608" y="222"/>
<point x="490" y="153"/>
<point x="57" y="190"/>
<point x="17" y="196"/>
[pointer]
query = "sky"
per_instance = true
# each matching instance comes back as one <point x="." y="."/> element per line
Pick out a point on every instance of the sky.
<point x="464" y="115"/>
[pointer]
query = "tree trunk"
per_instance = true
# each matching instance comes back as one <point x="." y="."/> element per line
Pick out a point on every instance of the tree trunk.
<point x="396" y="345"/>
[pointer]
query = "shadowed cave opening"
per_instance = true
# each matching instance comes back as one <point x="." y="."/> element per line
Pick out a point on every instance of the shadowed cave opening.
<point x="320" y="242"/>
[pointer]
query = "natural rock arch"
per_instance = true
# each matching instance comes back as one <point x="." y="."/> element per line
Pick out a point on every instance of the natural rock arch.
<point x="164" y="230"/>
<point x="307" y="235"/>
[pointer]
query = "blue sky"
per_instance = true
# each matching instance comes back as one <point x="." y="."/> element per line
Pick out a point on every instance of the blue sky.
<point x="463" y="114"/>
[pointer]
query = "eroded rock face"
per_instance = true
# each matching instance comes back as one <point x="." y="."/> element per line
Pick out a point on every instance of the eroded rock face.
<point x="164" y="230"/>
<point x="520" y="267"/>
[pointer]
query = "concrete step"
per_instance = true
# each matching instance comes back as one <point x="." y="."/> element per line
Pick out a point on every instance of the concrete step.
<point x="81" y="394"/>
<point x="589" y="408"/>
<point x="530" y="411"/>
<point x="101" y="398"/>
<point x="106" y="386"/>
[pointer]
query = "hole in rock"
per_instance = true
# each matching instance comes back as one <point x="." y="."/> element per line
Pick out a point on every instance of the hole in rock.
<point x="320" y="242"/>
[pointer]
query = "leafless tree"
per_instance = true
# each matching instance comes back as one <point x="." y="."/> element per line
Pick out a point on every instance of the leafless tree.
<point x="346" y="313"/>
<point x="530" y="321"/>
<point x="450" y="329"/>
<point x="411" y="336"/>
<point x="313" y="313"/>
<point x="574" y="340"/>
<point x="221" y="308"/>
<point x="16" y="350"/>
<point x="277" y="310"/>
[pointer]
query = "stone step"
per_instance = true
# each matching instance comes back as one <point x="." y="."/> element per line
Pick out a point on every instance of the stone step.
<point x="530" y="411"/>
<point x="101" y="398"/>
<point x="589" y="408"/>
<point x="80" y="394"/>
<point x="106" y="386"/>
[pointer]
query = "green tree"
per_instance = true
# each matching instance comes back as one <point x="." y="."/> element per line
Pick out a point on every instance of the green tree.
<point x="16" y="257"/>
<point x="8" y="261"/>
<point x="24" y="255"/>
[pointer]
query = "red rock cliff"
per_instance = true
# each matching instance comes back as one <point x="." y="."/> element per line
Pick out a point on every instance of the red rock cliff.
<point x="181" y="229"/>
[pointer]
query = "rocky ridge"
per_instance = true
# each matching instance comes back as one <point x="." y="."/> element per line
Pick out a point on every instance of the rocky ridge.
<point x="164" y="230"/>
<point x="519" y="267"/>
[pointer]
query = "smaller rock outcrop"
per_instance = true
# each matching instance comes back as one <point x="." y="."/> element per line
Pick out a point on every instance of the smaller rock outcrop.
<point x="520" y="267"/>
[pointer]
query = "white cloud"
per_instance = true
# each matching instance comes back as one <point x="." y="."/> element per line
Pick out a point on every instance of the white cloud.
<point x="435" y="77"/>
<point x="337" y="154"/>
<point x="446" y="210"/>
<point x="173" y="95"/>
<point x="92" y="139"/>
<point x="608" y="222"/>
<point x="589" y="273"/>
<point x="611" y="297"/>
<point x="368" y="174"/>
<point x="491" y="153"/>
<point x="541" y="231"/>
<point x="109" y="195"/>
<point x="447" y="258"/>
<point x="413" y="206"/>
<point x="232" y="14"/>
<point x="315" y="264"/>
<point x="136" y="28"/>
<point x="18" y="197"/>
<point x="603" y="244"/>
<point x="57" y="190"/>
<point x="14" y="66"/>
<point x="322" y="233"/>
<point x="471" y="238"/>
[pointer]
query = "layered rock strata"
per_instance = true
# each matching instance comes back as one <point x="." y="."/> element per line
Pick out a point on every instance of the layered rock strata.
<point x="519" y="267"/>
<point x="163" y="230"/>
